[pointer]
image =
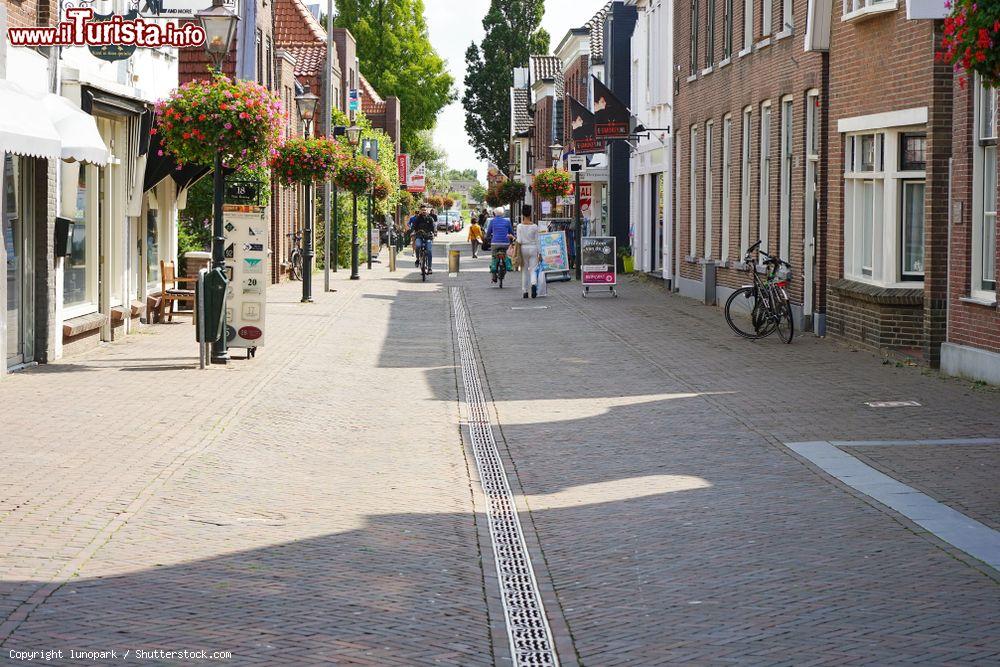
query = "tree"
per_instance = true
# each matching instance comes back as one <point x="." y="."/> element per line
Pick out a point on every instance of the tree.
<point x="512" y="36"/>
<point x="397" y="58"/>
<point x="477" y="193"/>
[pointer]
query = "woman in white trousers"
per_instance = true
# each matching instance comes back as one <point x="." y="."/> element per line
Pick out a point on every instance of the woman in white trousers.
<point x="527" y="237"/>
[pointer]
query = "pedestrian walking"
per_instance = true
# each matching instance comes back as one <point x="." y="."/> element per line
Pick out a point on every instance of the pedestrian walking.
<point x="527" y="238"/>
<point x="475" y="236"/>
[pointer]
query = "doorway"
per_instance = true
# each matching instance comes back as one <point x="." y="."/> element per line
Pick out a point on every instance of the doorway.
<point x="17" y="231"/>
<point x="657" y="215"/>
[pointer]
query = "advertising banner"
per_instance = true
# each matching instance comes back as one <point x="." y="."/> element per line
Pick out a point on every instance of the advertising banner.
<point x="554" y="251"/>
<point x="612" y="118"/>
<point x="586" y="197"/>
<point x="416" y="181"/>
<point x="598" y="261"/>
<point x="248" y="272"/>
<point x="402" y="167"/>
<point x="582" y="124"/>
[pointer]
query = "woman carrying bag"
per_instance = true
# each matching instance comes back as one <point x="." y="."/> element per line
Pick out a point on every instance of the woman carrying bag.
<point x="527" y="239"/>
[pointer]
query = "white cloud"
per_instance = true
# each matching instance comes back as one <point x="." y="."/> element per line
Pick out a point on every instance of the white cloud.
<point x="453" y="26"/>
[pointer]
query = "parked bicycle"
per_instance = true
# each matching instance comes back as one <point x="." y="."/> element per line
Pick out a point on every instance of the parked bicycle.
<point x="761" y="308"/>
<point x="295" y="256"/>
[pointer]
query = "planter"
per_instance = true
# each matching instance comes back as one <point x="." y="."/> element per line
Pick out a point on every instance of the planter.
<point x="628" y="264"/>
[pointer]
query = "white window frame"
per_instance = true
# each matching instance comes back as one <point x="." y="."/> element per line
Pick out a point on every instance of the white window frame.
<point x="812" y="149"/>
<point x="785" y="184"/>
<point x="787" y="17"/>
<point x="904" y="185"/>
<point x="745" y="176"/>
<point x="764" y="194"/>
<point x="693" y="187"/>
<point x="710" y="34"/>
<point x="727" y="164"/>
<point x="766" y="17"/>
<point x="747" y="26"/>
<point x="70" y="181"/>
<point x="984" y="147"/>
<point x="885" y="179"/>
<point x="709" y="184"/>
<point x="856" y="9"/>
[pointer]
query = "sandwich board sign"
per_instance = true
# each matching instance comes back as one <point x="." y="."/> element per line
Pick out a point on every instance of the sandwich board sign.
<point x="598" y="263"/>
<point x="249" y="273"/>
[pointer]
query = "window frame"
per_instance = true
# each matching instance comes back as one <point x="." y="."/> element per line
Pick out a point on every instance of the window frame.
<point x="766" y="17"/>
<point x="693" y="44"/>
<point x="984" y="221"/>
<point x="90" y="224"/>
<point x="726" y="199"/>
<point x="746" y="154"/>
<point x="708" y="187"/>
<point x="764" y="184"/>
<point x="785" y="178"/>
<point x="747" y="25"/>
<point x="904" y="274"/>
<point x="710" y="34"/>
<point x="727" y="30"/>
<point x="693" y="188"/>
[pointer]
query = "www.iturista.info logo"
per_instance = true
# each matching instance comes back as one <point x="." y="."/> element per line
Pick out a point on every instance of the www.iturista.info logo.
<point x="80" y="29"/>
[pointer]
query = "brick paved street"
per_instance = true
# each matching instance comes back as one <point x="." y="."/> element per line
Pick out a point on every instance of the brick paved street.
<point x="313" y="506"/>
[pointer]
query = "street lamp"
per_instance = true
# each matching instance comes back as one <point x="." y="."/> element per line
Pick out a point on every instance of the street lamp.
<point x="220" y="26"/>
<point x="306" y="103"/>
<point x="353" y="137"/>
<point x="556" y="151"/>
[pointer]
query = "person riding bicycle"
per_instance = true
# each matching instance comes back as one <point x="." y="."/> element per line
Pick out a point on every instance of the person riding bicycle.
<point x="499" y="232"/>
<point x="423" y="235"/>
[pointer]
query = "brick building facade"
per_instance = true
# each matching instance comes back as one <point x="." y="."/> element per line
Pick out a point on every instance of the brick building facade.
<point x="749" y="157"/>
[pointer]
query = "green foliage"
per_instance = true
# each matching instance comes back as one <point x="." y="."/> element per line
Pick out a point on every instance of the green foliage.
<point x="551" y="183"/>
<point x="512" y="35"/>
<point x="386" y="156"/>
<point x="461" y="174"/>
<point x="478" y="193"/>
<point x="306" y="160"/>
<point x="397" y="58"/>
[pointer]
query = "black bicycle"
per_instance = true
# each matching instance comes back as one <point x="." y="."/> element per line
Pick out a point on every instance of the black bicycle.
<point x="758" y="310"/>
<point x="295" y="256"/>
<point x="500" y="257"/>
<point x="424" y="259"/>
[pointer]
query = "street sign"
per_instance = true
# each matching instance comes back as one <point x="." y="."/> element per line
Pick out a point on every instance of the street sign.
<point x="598" y="262"/>
<point x="577" y="162"/>
<point x="243" y="191"/>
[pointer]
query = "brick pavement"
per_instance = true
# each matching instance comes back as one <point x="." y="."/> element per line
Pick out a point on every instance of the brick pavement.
<point x="321" y="512"/>
<point x="962" y="477"/>
<point x="674" y="526"/>
<point x="301" y="518"/>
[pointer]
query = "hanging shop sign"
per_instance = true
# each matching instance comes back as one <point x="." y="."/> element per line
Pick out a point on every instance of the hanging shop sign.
<point x="586" y="197"/>
<point x="416" y="181"/>
<point x="597" y="260"/>
<point x="582" y="129"/>
<point x="402" y="168"/>
<point x="248" y="270"/>
<point x="612" y="119"/>
<point x="243" y="191"/>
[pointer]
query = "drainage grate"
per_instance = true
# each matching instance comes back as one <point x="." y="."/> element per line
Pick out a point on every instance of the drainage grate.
<point x="530" y="636"/>
<point x="893" y="404"/>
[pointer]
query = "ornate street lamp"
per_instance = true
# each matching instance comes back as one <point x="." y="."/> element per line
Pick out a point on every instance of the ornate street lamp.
<point x="306" y="103"/>
<point x="220" y="27"/>
<point x="556" y="151"/>
<point x="353" y="138"/>
<point x="219" y="24"/>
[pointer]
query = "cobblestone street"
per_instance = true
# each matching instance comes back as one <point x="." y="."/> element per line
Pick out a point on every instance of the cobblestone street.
<point x="320" y="504"/>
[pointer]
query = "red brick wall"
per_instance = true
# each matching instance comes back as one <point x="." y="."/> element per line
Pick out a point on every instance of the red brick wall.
<point x="769" y="73"/>
<point x="28" y="13"/>
<point x="970" y="324"/>
<point x="542" y="137"/>
<point x="882" y="64"/>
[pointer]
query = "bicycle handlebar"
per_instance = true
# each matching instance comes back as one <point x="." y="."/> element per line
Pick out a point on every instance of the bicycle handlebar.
<point x="768" y="259"/>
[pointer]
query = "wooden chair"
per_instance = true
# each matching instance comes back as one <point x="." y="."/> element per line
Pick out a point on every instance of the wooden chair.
<point x="170" y="292"/>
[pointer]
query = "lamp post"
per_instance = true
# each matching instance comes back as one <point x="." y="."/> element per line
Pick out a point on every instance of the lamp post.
<point x="306" y="103"/>
<point x="219" y="25"/>
<point x="555" y="151"/>
<point x="353" y="137"/>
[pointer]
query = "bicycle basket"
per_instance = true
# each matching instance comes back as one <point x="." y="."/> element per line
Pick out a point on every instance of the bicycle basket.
<point x="784" y="274"/>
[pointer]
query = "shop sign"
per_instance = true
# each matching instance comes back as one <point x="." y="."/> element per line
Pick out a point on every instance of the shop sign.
<point x="612" y="119"/>
<point x="586" y="197"/>
<point x="554" y="251"/>
<point x="417" y="179"/>
<point x="182" y="8"/>
<point x="597" y="260"/>
<point x="243" y="191"/>
<point x="402" y="167"/>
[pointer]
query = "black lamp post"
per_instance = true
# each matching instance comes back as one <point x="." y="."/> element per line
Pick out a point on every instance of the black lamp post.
<point x="306" y="102"/>
<point x="353" y="137"/>
<point x="219" y="25"/>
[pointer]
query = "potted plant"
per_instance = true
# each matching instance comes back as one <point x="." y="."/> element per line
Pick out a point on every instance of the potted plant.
<point x="494" y="197"/>
<point x="971" y="40"/>
<point x="240" y="118"/>
<point x="306" y="160"/>
<point x="512" y="191"/>
<point x="383" y="188"/>
<point x="552" y="183"/>
<point x="628" y="261"/>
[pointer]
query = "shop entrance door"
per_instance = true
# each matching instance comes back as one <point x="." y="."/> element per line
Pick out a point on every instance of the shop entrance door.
<point x="656" y="222"/>
<point x="16" y="231"/>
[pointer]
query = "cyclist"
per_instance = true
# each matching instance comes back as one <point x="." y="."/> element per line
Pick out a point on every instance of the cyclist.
<point x="423" y="235"/>
<point x="499" y="232"/>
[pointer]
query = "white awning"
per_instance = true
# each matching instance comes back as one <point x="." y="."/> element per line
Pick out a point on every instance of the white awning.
<point x="47" y="126"/>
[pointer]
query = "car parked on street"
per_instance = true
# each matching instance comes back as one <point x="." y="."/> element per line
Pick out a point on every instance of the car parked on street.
<point x="449" y="221"/>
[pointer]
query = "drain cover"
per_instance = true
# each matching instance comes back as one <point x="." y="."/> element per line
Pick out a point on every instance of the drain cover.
<point x="893" y="404"/>
<point x="528" y="307"/>
<point x="527" y="627"/>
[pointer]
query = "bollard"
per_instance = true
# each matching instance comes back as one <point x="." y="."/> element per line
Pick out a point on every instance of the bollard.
<point x="453" y="257"/>
<point x="392" y="258"/>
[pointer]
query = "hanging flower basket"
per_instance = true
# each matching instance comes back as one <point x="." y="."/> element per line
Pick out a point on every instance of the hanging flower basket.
<point x="512" y="191"/>
<point x="493" y="196"/>
<point x="971" y="40"/>
<point x="447" y="202"/>
<point x="552" y="183"/>
<point x="435" y="201"/>
<point x="306" y="160"/>
<point x="357" y="174"/>
<point x="383" y="187"/>
<point x="241" y="118"/>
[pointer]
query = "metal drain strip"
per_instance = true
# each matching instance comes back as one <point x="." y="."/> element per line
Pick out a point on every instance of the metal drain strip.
<point x="527" y="626"/>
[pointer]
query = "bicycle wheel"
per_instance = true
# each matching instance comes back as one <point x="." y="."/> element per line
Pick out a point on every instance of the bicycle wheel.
<point x="423" y="266"/>
<point x="785" y="324"/>
<point x="296" y="265"/>
<point x="744" y="312"/>
<point x="501" y="272"/>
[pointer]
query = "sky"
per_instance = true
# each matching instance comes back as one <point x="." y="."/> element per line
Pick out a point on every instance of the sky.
<point x="452" y="26"/>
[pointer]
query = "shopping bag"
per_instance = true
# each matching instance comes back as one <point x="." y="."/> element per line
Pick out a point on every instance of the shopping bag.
<point x="486" y="243"/>
<point x="541" y="284"/>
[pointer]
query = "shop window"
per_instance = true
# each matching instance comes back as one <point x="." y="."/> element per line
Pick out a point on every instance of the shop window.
<point x="152" y="248"/>
<point x="80" y="264"/>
